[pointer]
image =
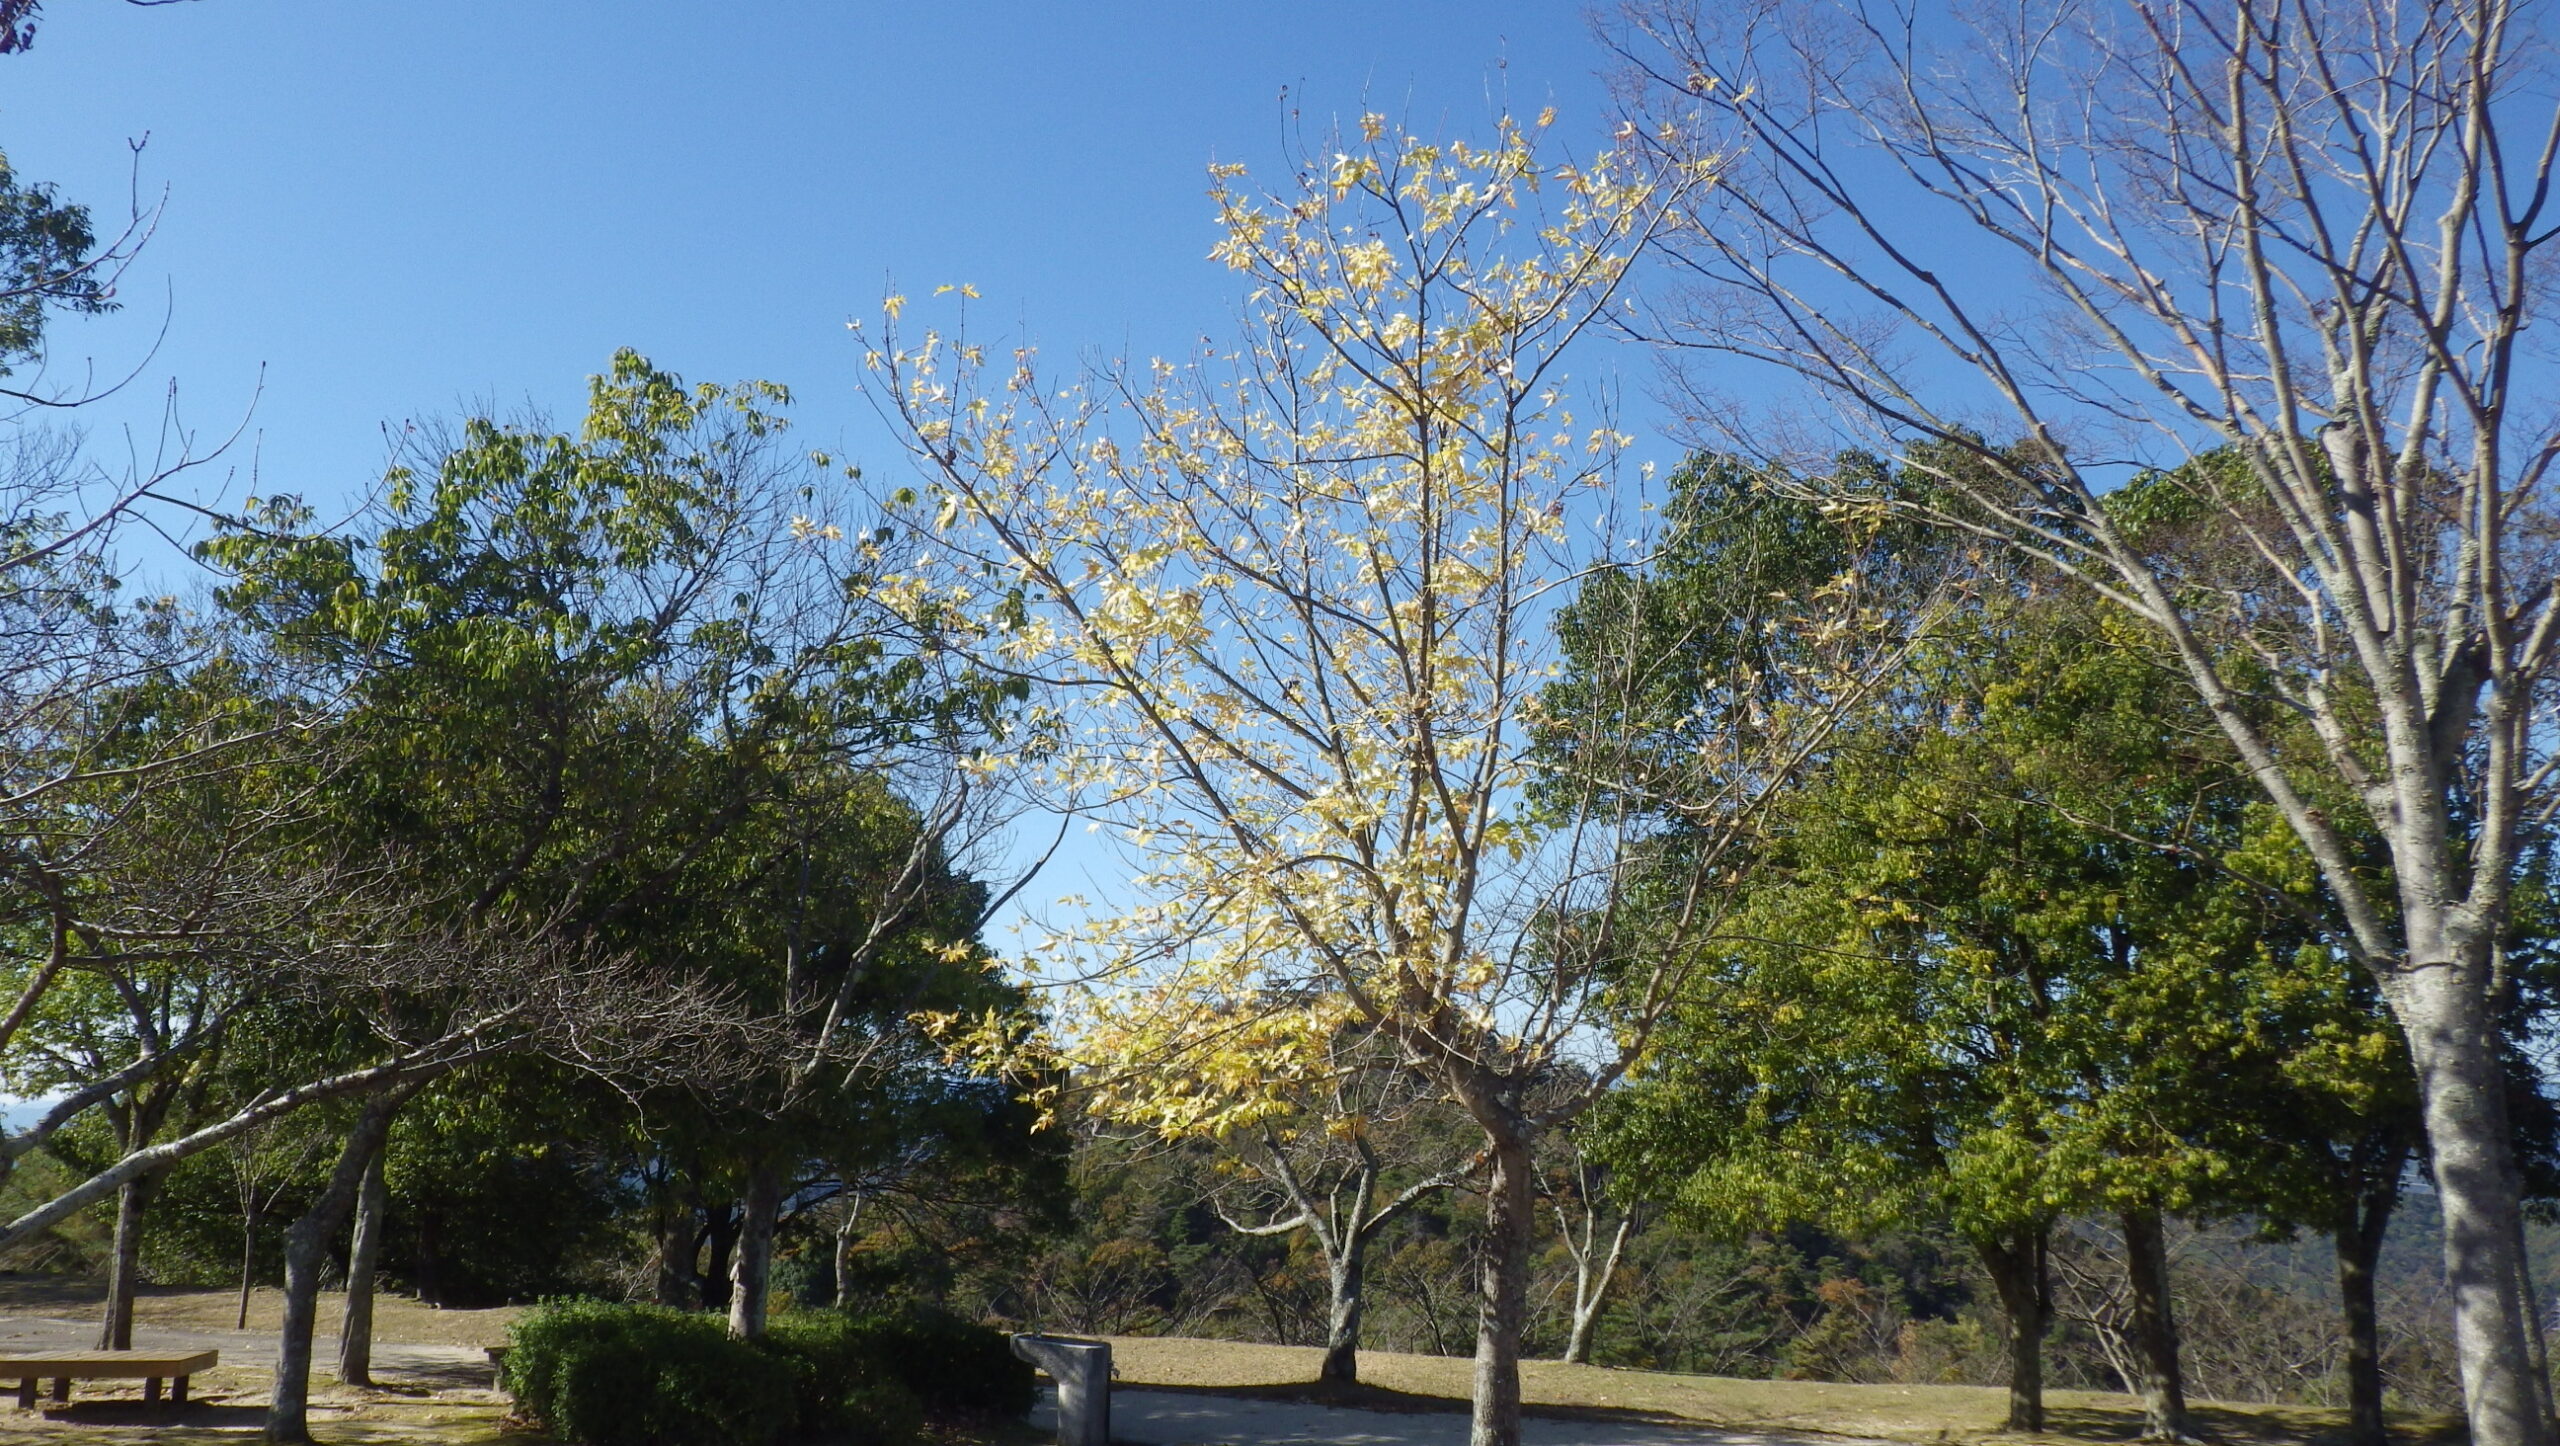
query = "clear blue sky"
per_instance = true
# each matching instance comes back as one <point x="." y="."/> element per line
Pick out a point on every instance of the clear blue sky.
<point x="391" y="210"/>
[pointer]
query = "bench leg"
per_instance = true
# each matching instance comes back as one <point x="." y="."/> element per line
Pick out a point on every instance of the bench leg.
<point x="151" y="1390"/>
<point x="61" y="1390"/>
<point x="178" y="1392"/>
<point x="26" y="1393"/>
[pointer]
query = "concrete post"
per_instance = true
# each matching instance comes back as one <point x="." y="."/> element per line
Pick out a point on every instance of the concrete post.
<point x="1082" y="1370"/>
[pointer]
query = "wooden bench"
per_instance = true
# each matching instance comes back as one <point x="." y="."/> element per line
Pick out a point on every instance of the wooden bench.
<point x="64" y="1367"/>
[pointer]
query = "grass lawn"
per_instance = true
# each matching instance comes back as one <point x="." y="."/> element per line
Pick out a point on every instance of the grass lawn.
<point x="1899" y="1413"/>
<point x="395" y="1317"/>
<point x="231" y="1398"/>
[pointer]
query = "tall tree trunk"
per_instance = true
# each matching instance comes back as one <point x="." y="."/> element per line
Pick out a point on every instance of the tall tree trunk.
<point x="751" y="1273"/>
<point x="355" y="1333"/>
<point x="115" y="1329"/>
<point x="720" y="1232"/>
<point x="1591" y="1289"/>
<point x="430" y="1281"/>
<point x="1502" y="1306"/>
<point x="2155" y="1327"/>
<point x="2359" y="1247"/>
<point x="2453" y="1044"/>
<point x="306" y="1251"/>
<point x="679" y="1287"/>
<point x="1346" y="1282"/>
<point x="2016" y="1263"/>
<point x="2364" y="1340"/>
<point x="848" y="1231"/>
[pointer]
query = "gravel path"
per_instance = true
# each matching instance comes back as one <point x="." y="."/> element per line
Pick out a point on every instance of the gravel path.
<point x="1187" y="1418"/>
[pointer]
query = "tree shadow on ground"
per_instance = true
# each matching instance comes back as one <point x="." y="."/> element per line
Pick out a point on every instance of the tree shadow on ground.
<point x="2269" y="1425"/>
<point x="2218" y="1425"/>
<point x="134" y="1413"/>
<point x="1361" y="1396"/>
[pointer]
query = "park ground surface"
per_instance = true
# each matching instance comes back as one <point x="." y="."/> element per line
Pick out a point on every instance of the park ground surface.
<point x="437" y="1386"/>
<point x="436" y="1382"/>
<point x="1559" y="1395"/>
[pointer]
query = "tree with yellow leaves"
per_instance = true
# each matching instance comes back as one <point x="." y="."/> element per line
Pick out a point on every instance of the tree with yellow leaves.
<point x="1288" y="608"/>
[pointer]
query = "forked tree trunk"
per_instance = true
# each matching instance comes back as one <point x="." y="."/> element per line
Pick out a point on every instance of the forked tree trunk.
<point x="1591" y="1290"/>
<point x="115" y="1329"/>
<point x="355" y="1333"/>
<point x="2453" y="1045"/>
<point x="751" y="1276"/>
<point x="306" y="1251"/>
<point x="848" y="1231"/>
<point x="1502" y="1306"/>
<point x="2155" y="1328"/>
<point x="1346" y="1283"/>
<point x="2015" y="1262"/>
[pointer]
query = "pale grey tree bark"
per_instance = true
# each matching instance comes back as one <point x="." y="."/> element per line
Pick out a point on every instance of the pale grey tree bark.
<point x="848" y="1232"/>
<point x="1592" y="1273"/>
<point x="1578" y="1204"/>
<point x="751" y="1264"/>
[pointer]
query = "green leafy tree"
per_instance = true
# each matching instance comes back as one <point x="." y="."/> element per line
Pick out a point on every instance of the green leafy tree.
<point x="2015" y="945"/>
<point x="574" y="667"/>
<point x="838" y="919"/>
<point x="49" y="261"/>
<point x="1989" y="990"/>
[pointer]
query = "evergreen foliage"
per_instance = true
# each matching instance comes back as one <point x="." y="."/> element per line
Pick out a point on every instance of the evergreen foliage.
<point x="619" y="1375"/>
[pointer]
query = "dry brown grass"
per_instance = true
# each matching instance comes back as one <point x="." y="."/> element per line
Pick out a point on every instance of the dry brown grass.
<point x="395" y="1317"/>
<point x="1901" y="1413"/>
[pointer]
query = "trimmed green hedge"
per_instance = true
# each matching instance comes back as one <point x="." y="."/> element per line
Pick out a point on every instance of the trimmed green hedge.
<point x="846" y="1389"/>
<point x="623" y="1375"/>
<point x="955" y="1367"/>
<point x="604" y="1374"/>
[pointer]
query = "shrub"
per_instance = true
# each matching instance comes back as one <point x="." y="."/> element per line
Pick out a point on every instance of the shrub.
<point x="954" y="1367"/>
<point x="620" y="1375"/>
<point x="603" y="1374"/>
<point x="846" y="1390"/>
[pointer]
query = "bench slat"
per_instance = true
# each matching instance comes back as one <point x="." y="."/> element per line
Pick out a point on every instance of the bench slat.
<point x="103" y="1365"/>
